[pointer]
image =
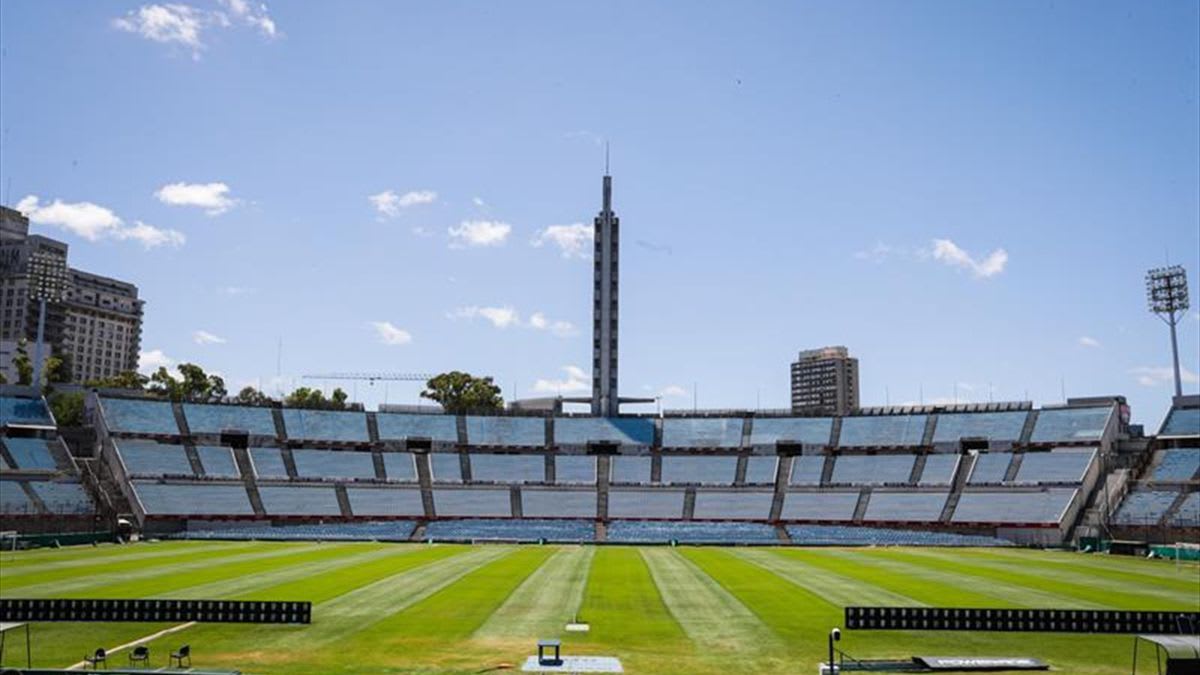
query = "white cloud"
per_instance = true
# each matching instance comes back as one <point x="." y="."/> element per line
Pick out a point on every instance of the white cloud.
<point x="150" y="361"/>
<point x="94" y="222"/>
<point x="478" y="201"/>
<point x="1153" y="376"/>
<point x="576" y="380"/>
<point x="389" y="204"/>
<point x="184" y="25"/>
<point x="673" y="391"/>
<point x="573" y="241"/>
<point x="203" y="337"/>
<point x="877" y="253"/>
<point x="1091" y="342"/>
<point x="212" y="197"/>
<point x="948" y="252"/>
<point x="479" y="233"/>
<point x="389" y="334"/>
<point x="500" y="317"/>
<point x="538" y="321"/>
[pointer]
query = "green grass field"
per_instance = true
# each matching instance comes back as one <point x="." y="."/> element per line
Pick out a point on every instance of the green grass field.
<point x="389" y="608"/>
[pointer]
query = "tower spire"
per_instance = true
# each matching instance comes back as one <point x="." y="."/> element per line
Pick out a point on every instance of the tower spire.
<point x="604" y="332"/>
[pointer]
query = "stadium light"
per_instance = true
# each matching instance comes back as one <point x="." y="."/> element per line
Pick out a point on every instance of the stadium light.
<point x="48" y="280"/>
<point x="1167" y="297"/>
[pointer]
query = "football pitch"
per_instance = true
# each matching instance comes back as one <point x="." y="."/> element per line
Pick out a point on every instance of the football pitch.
<point x="400" y="608"/>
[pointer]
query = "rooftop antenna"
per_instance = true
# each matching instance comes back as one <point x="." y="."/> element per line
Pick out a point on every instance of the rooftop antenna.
<point x="605" y="158"/>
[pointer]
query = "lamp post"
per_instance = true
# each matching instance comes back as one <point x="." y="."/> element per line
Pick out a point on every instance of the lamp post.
<point x="1167" y="297"/>
<point x="835" y="635"/>
<point x="47" y="283"/>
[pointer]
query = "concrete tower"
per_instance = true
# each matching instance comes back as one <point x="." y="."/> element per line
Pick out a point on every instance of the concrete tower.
<point x="604" y="307"/>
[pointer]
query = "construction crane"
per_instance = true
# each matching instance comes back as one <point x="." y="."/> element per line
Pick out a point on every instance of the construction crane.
<point x="372" y="378"/>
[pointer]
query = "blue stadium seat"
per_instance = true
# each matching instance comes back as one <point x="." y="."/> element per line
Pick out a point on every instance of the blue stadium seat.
<point x="824" y="505"/>
<point x="761" y="470"/>
<point x="939" y="470"/>
<point x="24" y="411"/>
<point x="882" y="431"/>
<point x="632" y="431"/>
<point x="217" y="461"/>
<point x="994" y="426"/>
<point x="213" y="419"/>
<point x="844" y="535"/>
<point x="1013" y="506"/>
<point x="367" y="501"/>
<point x="1145" y="507"/>
<point x="1056" y="466"/>
<point x="400" y="467"/>
<point x="1177" y="465"/>
<point x="506" y="431"/>
<point x="325" y="425"/>
<point x="508" y="468"/>
<point x="702" y="432"/>
<point x="575" y="469"/>
<point x="905" y="506"/>
<point x="381" y="531"/>
<point x="645" y="503"/>
<point x="472" y="502"/>
<point x="1181" y="423"/>
<point x="511" y="530"/>
<point x="699" y="470"/>
<point x="324" y="464"/>
<point x="733" y="505"/>
<point x="138" y="416"/>
<point x="289" y="500"/>
<point x="63" y="497"/>
<point x="872" y="469"/>
<point x="147" y="458"/>
<point x="268" y="463"/>
<point x="694" y="532"/>
<point x="1070" y="425"/>
<point x="183" y="499"/>
<point x="767" y="431"/>
<point x="401" y="426"/>
<point x="31" y="454"/>
<point x="558" y="503"/>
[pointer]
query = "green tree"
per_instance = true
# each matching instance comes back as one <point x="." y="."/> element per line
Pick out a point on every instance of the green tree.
<point x="314" y="399"/>
<point x="23" y="363"/>
<point x="127" y="380"/>
<point x="460" y="392"/>
<point x="193" y="385"/>
<point x="252" y="396"/>
<point x="67" y="408"/>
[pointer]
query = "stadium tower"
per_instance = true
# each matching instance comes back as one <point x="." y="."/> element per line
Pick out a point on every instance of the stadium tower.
<point x="604" y="306"/>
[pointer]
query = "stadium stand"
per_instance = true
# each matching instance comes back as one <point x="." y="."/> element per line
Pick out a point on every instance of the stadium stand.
<point x="731" y="505"/>
<point x="580" y="431"/>
<point x="761" y="470"/>
<point x="1181" y="422"/>
<point x="844" y="535"/>
<point x="699" y="470"/>
<point x="218" y="462"/>
<point x="1071" y="425"/>
<point x="24" y="412"/>
<point x="446" y="467"/>
<point x="645" y="504"/>
<point x="1188" y="512"/>
<point x="918" y="507"/>
<point x="1145" y="507"/>
<point x="819" y="506"/>
<point x="882" y="431"/>
<point x="558" y="503"/>
<point x="13" y="499"/>
<point x="511" y="530"/>
<point x="1056" y="466"/>
<point x="299" y="500"/>
<point x="366" y="501"/>
<point x="440" y="428"/>
<point x="631" y="470"/>
<point x="63" y="497"/>
<point x="508" y="468"/>
<point x="472" y="502"/>
<point x="807" y="469"/>
<point x="268" y="463"/>
<point x="326" y="425"/>
<point x="994" y="426"/>
<point x="31" y="454"/>
<point x="872" y="469"/>
<point x="506" y="431"/>
<point x="329" y="464"/>
<point x="185" y="499"/>
<point x="702" y="432"/>
<point x="1047" y="505"/>
<point x="148" y="458"/>
<point x="214" y="419"/>
<point x="136" y="416"/>
<point x="1177" y="465"/>
<point x="396" y="530"/>
<point x="658" y="532"/>
<point x="768" y="431"/>
<point x="400" y="467"/>
<point x="990" y="468"/>
<point x="575" y="469"/>
<point x="939" y="470"/>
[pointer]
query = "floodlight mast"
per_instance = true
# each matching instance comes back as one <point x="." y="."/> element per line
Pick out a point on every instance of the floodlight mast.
<point x="1167" y="296"/>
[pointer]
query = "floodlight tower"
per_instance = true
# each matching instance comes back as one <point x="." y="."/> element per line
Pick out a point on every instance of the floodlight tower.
<point x="47" y="284"/>
<point x="1167" y="295"/>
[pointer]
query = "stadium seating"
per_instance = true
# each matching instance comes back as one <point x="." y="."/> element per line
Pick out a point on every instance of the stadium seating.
<point x="217" y="461"/>
<point x="147" y="458"/>
<point x="994" y="426"/>
<point x="1013" y="506"/>
<point x="365" y="501"/>
<point x="558" y="503"/>
<point x="882" y="431"/>
<point x="630" y="470"/>
<point x="1178" y="464"/>
<point x="575" y="469"/>
<point x="767" y="431"/>
<point x="990" y="468"/>
<point x="268" y="463"/>
<point x="844" y="535"/>
<point x="657" y="532"/>
<point x="633" y="431"/>
<point x="325" y="425"/>
<point x="905" y="506"/>
<point x="24" y="411"/>
<point x="506" y="431"/>
<point x="13" y="499"/>
<point x="1056" y="466"/>
<point x="397" y="530"/>
<point x="446" y="467"/>
<point x="761" y="470"/>
<point x="731" y="505"/>
<point x="702" y="432"/>
<point x="645" y="503"/>
<point x="400" y="467"/>
<point x="213" y="419"/>
<point x="1181" y="422"/>
<point x="939" y="470"/>
<point x="819" y="505"/>
<point x="62" y="497"/>
<point x="472" y="502"/>
<point x="31" y="454"/>
<point x="332" y="464"/>
<point x="508" y="468"/>
<point x="699" y="470"/>
<point x="394" y="426"/>
<point x="138" y="416"/>
<point x="807" y="469"/>
<point x="511" y="530"/>
<point x="872" y="469"/>
<point x="290" y="500"/>
<point x="183" y="499"/>
<point x="1070" y="425"/>
<point x="1188" y="514"/>
<point x="1145" y="507"/>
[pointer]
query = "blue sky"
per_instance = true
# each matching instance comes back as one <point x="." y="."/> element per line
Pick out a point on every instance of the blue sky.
<point x="965" y="194"/>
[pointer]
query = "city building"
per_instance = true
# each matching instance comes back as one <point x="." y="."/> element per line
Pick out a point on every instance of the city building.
<point x="95" y="322"/>
<point x="825" y="382"/>
<point x="605" y="401"/>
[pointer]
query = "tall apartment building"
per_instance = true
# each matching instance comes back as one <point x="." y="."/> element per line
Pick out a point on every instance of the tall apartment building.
<point x="97" y="324"/>
<point x="825" y="382"/>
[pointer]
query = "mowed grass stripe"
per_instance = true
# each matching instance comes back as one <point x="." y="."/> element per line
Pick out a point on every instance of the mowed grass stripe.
<point x="837" y="589"/>
<point x="130" y="573"/>
<point x="1058" y="592"/>
<point x="943" y="587"/>
<point x="709" y="614"/>
<point x="22" y="564"/>
<point x="1075" y="567"/>
<point x="623" y="606"/>
<point x="546" y="600"/>
<point x="1167" y="572"/>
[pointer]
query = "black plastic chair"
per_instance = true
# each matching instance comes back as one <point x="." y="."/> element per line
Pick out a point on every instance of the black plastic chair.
<point x="184" y="653"/>
<point x="140" y="654"/>
<point x="96" y="659"/>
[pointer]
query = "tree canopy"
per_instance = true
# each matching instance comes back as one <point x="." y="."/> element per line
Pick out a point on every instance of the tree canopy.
<point x="193" y="385"/>
<point x="306" y="397"/>
<point x="460" y="392"/>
